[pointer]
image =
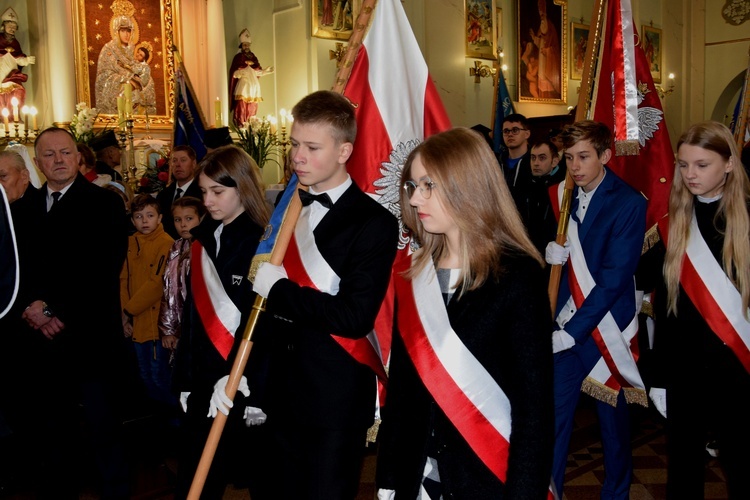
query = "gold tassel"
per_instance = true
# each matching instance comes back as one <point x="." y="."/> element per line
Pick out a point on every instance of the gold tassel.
<point x="626" y="148"/>
<point x="372" y="432"/>
<point x="637" y="396"/>
<point x="599" y="391"/>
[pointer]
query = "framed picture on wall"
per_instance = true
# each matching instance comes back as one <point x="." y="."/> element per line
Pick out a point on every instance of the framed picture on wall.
<point x="498" y="31"/>
<point x="579" y="36"/>
<point x="542" y="44"/>
<point x="651" y="43"/>
<point x="334" y="19"/>
<point x="126" y="41"/>
<point x="481" y="37"/>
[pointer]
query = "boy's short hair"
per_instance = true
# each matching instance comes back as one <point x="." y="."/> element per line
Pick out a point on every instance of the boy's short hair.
<point x="517" y="118"/>
<point x="598" y="134"/>
<point x="142" y="201"/>
<point x="328" y="108"/>
<point x="190" y="202"/>
<point x="542" y="142"/>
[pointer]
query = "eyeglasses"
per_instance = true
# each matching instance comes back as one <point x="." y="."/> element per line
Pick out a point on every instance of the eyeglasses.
<point x="425" y="186"/>
<point x="512" y="131"/>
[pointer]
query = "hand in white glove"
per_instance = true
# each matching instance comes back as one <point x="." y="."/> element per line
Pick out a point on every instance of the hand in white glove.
<point x="659" y="397"/>
<point x="384" y="494"/>
<point x="562" y="340"/>
<point x="183" y="400"/>
<point x="266" y="278"/>
<point x="254" y="416"/>
<point x="220" y="402"/>
<point x="555" y="254"/>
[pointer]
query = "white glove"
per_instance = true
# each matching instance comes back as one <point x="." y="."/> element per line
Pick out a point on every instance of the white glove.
<point x="562" y="340"/>
<point x="254" y="416"/>
<point x="659" y="397"/>
<point x="384" y="494"/>
<point x="555" y="254"/>
<point x="220" y="402"/>
<point x="266" y="278"/>
<point x="183" y="400"/>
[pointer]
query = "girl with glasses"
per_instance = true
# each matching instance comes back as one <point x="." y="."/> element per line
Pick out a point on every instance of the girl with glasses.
<point x="469" y="406"/>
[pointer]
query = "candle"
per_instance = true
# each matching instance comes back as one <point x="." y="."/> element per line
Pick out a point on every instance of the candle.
<point x="217" y="113"/>
<point x="25" y="112"/>
<point x="5" y="114"/>
<point x="121" y="112"/>
<point x="33" y="118"/>
<point x="128" y="91"/>
<point x="272" y="120"/>
<point x="282" y="112"/>
<point x="14" y="103"/>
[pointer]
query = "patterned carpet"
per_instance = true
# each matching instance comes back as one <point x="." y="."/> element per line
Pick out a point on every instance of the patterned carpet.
<point x="154" y="478"/>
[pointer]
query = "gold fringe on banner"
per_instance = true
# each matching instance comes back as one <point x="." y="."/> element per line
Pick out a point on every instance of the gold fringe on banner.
<point x="608" y="395"/>
<point x="626" y="148"/>
<point x="650" y="239"/>
<point x="372" y="432"/>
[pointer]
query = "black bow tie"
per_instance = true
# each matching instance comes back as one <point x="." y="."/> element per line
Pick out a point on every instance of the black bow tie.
<point x="308" y="198"/>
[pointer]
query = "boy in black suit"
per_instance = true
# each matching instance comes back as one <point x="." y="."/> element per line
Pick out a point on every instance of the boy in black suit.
<point x="322" y="305"/>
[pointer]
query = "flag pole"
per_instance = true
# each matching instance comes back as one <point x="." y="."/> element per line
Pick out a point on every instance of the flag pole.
<point x="584" y="103"/>
<point x="277" y="257"/>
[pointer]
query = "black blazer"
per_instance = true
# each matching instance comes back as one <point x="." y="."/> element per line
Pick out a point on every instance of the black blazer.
<point x="314" y="380"/>
<point x="506" y="324"/>
<point x="165" y="199"/>
<point x="80" y="249"/>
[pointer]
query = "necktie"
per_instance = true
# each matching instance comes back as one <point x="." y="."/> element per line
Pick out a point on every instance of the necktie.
<point x="307" y="198"/>
<point x="55" y="198"/>
<point x="178" y="193"/>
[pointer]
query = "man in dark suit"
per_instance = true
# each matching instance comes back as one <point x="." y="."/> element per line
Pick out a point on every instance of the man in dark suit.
<point x="596" y="305"/>
<point x="183" y="165"/>
<point x="82" y="352"/>
<point x="321" y="400"/>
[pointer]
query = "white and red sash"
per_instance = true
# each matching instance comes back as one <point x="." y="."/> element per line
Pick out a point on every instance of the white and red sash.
<point x="712" y="293"/>
<point x="468" y="395"/>
<point x="219" y="315"/>
<point x="310" y="269"/>
<point x="617" y="368"/>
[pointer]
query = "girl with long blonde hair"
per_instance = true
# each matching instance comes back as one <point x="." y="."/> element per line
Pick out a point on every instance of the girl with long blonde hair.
<point x="702" y="341"/>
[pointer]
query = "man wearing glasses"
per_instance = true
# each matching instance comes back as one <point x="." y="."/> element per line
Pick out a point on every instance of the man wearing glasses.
<point x="515" y="160"/>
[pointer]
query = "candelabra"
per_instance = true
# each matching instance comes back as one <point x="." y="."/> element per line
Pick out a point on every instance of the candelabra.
<point x="122" y="138"/>
<point x="131" y="167"/>
<point x="664" y="92"/>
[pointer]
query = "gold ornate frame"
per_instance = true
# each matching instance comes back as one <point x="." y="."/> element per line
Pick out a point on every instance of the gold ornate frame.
<point x="340" y="28"/>
<point x="528" y="20"/>
<point x="92" y="29"/>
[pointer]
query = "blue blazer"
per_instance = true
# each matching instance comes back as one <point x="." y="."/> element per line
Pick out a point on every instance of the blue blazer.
<point x="612" y="238"/>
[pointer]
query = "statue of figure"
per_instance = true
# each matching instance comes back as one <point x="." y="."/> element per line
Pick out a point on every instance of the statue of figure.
<point x="12" y="59"/>
<point x="244" y="86"/>
<point x="115" y="64"/>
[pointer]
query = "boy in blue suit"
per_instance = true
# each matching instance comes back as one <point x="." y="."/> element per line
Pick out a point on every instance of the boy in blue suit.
<point x="596" y="307"/>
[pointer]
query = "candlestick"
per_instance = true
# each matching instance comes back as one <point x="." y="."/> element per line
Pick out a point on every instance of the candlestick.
<point x="121" y="112"/>
<point x="217" y="113"/>
<point x="25" y="113"/>
<point x="33" y="118"/>
<point x="14" y="103"/>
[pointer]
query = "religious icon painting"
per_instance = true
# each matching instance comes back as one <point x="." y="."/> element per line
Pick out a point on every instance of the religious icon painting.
<point x="542" y="46"/>
<point x="480" y="29"/>
<point x="125" y="48"/>
<point x="579" y="36"/>
<point x="651" y="43"/>
<point x="334" y="19"/>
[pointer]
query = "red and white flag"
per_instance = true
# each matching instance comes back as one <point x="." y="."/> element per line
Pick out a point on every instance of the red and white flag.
<point x="397" y="106"/>
<point x="627" y="102"/>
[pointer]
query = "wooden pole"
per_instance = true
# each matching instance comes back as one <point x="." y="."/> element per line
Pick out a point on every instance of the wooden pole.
<point x="582" y="109"/>
<point x="277" y="257"/>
